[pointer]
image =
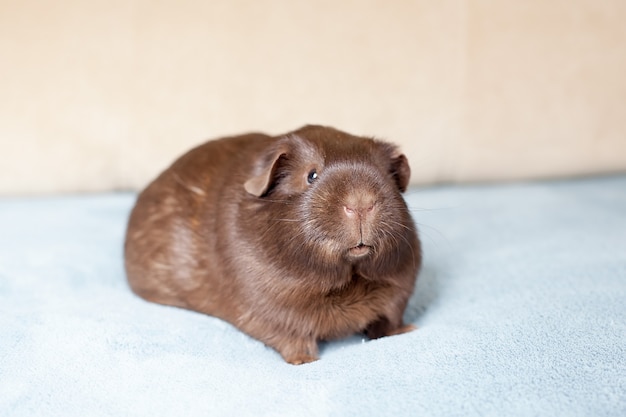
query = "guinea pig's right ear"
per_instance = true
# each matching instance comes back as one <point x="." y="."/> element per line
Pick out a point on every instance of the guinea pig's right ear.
<point x="398" y="166"/>
<point x="264" y="173"/>
<point x="400" y="171"/>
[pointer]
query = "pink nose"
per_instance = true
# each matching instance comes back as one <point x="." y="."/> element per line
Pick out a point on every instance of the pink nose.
<point x="360" y="210"/>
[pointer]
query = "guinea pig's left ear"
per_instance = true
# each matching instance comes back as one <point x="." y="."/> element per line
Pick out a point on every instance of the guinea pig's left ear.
<point x="260" y="183"/>
<point x="400" y="170"/>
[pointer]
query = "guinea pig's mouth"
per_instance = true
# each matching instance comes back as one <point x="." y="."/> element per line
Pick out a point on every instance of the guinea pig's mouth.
<point x="359" y="250"/>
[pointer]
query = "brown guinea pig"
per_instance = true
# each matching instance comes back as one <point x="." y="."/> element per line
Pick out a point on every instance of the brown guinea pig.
<point x="293" y="239"/>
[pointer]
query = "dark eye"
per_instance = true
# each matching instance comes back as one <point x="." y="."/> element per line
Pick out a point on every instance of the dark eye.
<point x="312" y="176"/>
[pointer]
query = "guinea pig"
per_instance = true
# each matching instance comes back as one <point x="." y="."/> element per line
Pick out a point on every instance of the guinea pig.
<point x="293" y="239"/>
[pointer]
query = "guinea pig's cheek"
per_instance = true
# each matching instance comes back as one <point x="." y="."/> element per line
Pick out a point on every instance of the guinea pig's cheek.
<point x="328" y="250"/>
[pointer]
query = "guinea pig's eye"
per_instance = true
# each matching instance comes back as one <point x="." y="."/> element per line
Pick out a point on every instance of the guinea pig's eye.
<point x="312" y="176"/>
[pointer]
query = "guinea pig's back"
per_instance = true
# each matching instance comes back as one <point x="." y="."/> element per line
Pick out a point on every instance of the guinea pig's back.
<point x="170" y="248"/>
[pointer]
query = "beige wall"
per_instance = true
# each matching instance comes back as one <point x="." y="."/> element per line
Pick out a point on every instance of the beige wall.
<point x="96" y="95"/>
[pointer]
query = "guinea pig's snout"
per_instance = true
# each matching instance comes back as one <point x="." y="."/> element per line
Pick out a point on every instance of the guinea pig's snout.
<point x="359" y="211"/>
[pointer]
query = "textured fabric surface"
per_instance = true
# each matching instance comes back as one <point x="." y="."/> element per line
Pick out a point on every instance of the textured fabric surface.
<point x="521" y="307"/>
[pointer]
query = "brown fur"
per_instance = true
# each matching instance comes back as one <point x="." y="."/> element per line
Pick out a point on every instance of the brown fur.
<point x="234" y="229"/>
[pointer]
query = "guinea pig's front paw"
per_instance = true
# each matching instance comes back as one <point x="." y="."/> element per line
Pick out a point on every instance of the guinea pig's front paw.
<point x="299" y="352"/>
<point x="300" y="359"/>
<point x="403" y="329"/>
<point x="383" y="327"/>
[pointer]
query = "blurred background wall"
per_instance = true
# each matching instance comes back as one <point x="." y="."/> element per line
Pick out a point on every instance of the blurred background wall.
<point x="100" y="95"/>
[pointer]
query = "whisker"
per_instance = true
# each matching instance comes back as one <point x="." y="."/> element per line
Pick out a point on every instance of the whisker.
<point x="422" y="226"/>
<point x="397" y="224"/>
<point x="418" y="209"/>
<point x="388" y="231"/>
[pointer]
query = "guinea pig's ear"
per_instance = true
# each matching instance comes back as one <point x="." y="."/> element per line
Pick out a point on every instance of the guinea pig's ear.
<point x="400" y="170"/>
<point x="265" y="172"/>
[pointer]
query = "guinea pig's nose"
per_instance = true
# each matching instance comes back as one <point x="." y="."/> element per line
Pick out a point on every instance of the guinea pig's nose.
<point x="360" y="208"/>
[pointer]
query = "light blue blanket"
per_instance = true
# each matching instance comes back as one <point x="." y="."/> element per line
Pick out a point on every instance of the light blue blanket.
<point x="521" y="307"/>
